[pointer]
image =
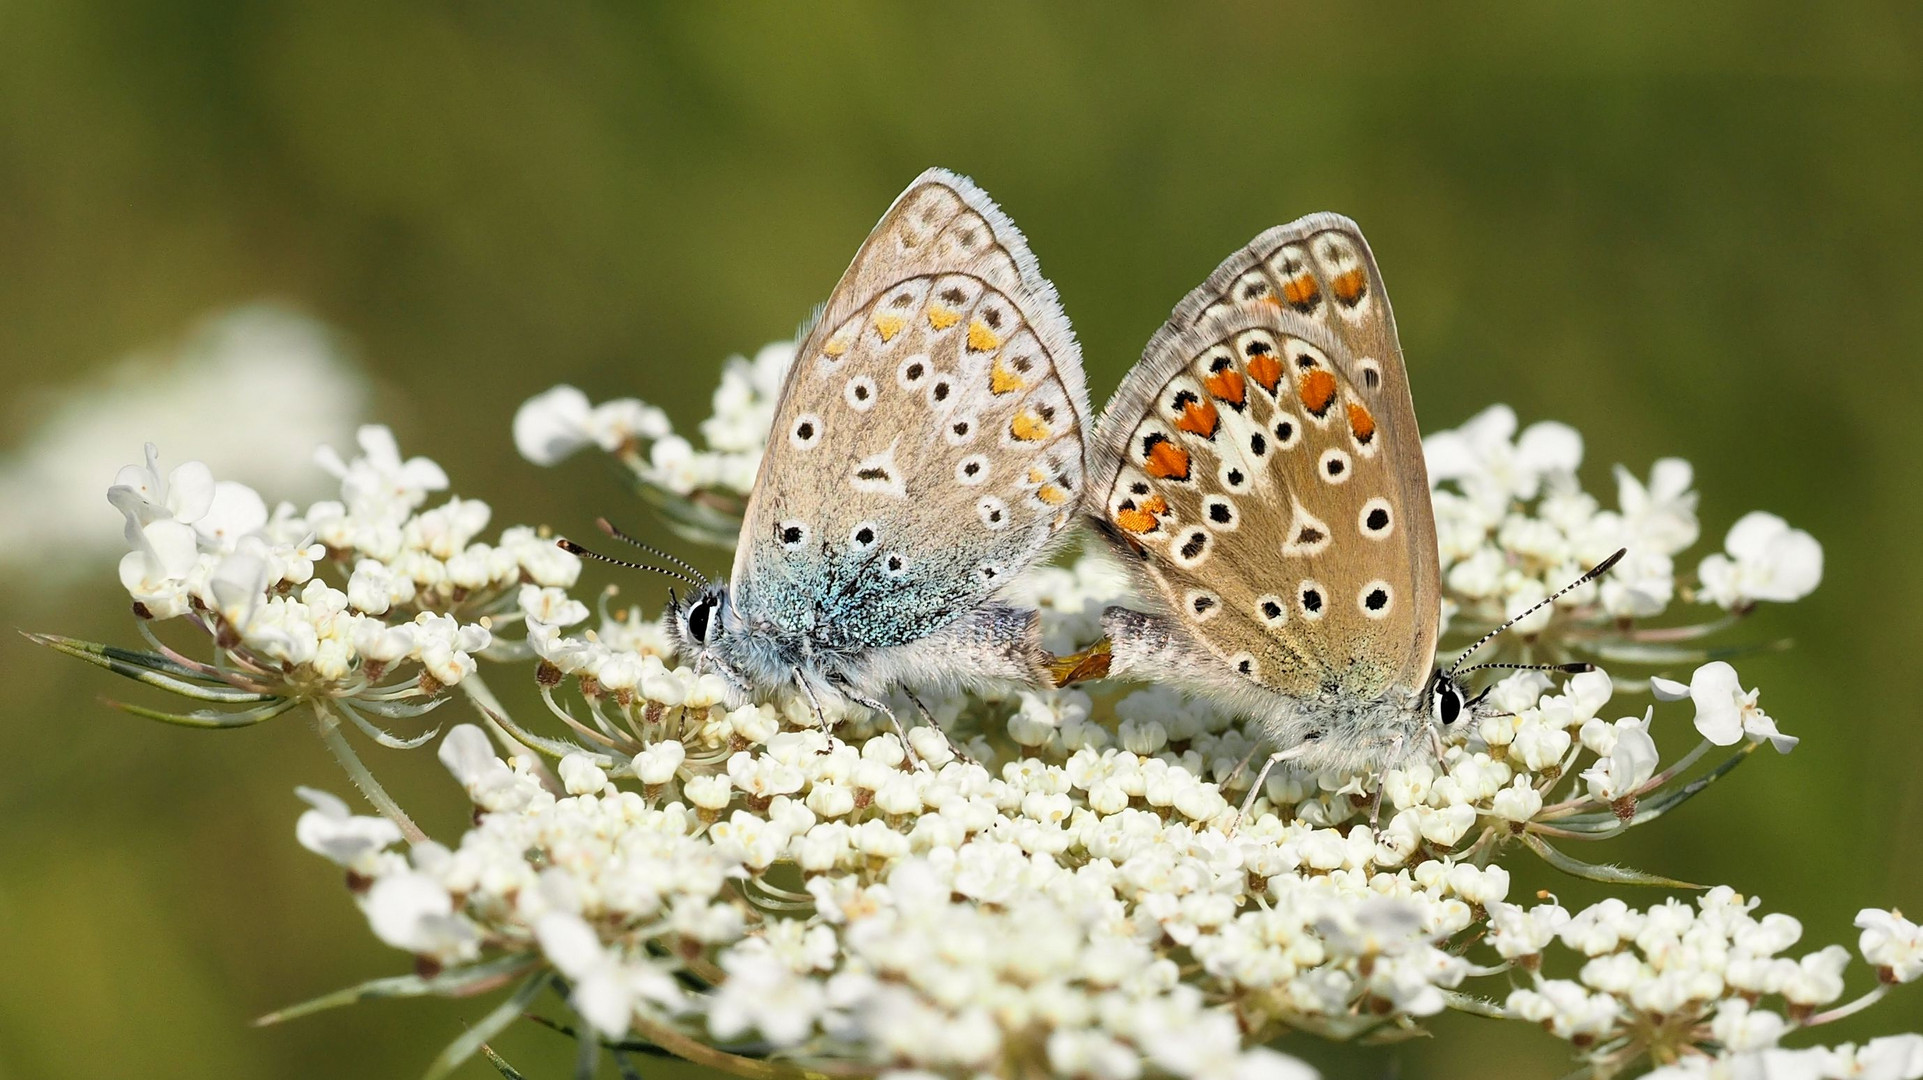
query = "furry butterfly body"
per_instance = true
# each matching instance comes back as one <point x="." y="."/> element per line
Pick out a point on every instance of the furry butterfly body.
<point x="928" y="445"/>
<point x="1261" y="472"/>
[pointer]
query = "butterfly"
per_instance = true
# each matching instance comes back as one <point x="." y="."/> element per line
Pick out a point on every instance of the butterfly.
<point x="1261" y="472"/>
<point x="928" y="445"/>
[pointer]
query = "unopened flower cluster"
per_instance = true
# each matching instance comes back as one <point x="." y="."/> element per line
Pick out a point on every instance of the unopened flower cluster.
<point x="1056" y="881"/>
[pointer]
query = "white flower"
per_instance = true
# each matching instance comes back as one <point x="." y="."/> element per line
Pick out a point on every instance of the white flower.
<point x="250" y="391"/>
<point x="551" y="606"/>
<point x="1520" y="801"/>
<point x="1092" y="1054"/>
<point x="374" y="587"/>
<point x="552" y="425"/>
<point x="235" y="512"/>
<point x="1742" y="1029"/>
<point x="1817" y="979"/>
<point x="411" y="910"/>
<point x="1663" y="514"/>
<point x="659" y="762"/>
<point x="1568" y="1010"/>
<point x="1641" y="585"/>
<point x="184" y="495"/>
<point x="1517" y="932"/>
<point x="1725" y="712"/>
<point x="1891" y="943"/>
<point x="1765" y="560"/>
<point x="343" y="838"/>
<point x="378" y="486"/>
<point x="555" y="423"/>
<point x="1630" y="760"/>
<point x="467" y="754"/>
<point x="606" y="989"/>
<point x="762" y="994"/>
<point x="446" y="645"/>
<point x="709" y="792"/>
<point x="1491" y="469"/>
<point x="1893" y="1057"/>
<point x="581" y="776"/>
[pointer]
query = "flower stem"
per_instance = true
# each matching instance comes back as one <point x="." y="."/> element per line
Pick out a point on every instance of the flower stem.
<point x="1850" y="1009"/>
<point x="494" y="714"/>
<point x="1670" y="773"/>
<point x="328" y="725"/>
<point x="690" y="1049"/>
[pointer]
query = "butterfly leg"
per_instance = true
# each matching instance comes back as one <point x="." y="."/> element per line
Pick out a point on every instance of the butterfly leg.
<point x="1229" y="780"/>
<point x="1262" y="777"/>
<point x="929" y="719"/>
<point x="881" y="707"/>
<point x="820" y="717"/>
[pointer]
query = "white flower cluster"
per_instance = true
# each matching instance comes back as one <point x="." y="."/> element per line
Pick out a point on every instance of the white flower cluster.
<point x="1673" y="979"/>
<point x="554" y="424"/>
<point x="1056" y="882"/>
<point x="418" y="587"/>
<point x="841" y="902"/>
<point x="63" y="438"/>
<point x="1514" y="525"/>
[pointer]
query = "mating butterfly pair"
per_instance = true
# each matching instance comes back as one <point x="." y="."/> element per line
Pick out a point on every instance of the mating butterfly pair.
<point x="1259" y="469"/>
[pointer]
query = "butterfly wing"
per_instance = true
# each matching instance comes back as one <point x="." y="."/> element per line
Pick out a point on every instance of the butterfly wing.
<point x="928" y="442"/>
<point x="1262" y="466"/>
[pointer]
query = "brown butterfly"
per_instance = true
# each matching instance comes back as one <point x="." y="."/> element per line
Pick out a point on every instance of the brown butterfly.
<point x="1261" y="472"/>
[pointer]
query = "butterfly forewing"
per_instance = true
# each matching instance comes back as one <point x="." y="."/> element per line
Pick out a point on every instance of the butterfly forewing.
<point x="928" y="441"/>
<point x="1262" y="463"/>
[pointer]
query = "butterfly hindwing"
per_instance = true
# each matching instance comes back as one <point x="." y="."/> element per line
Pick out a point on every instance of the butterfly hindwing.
<point x="1266" y="473"/>
<point x="929" y="438"/>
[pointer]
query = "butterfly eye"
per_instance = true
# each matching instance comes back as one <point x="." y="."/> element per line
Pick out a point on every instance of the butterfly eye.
<point x="1448" y="703"/>
<point x="700" y="618"/>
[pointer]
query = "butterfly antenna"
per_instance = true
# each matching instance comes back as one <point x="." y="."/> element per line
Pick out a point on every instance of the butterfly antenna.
<point x="608" y="527"/>
<point x="1576" y="668"/>
<point x="1595" y="572"/>
<point x="575" y="549"/>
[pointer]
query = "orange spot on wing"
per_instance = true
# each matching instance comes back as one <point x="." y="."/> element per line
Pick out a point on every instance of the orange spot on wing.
<point x="1000" y="379"/>
<point x="1141" y="519"/>
<point x="1199" y="418"/>
<point x="1167" y="461"/>
<point x="1361" y="424"/>
<point x="981" y="338"/>
<point x="1316" y="388"/>
<point x="835" y="348"/>
<point x="1270" y="299"/>
<point x="941" y="318"/>
<point x="1350" y="286"/>
<point x="1028" y="427"/>
<point x="1227" y="385"/>
<point x="889" y="325"/>
<point x="1266" y="370"/>
<point x="1052" y="495"/>
<point x="1300" y="291"/>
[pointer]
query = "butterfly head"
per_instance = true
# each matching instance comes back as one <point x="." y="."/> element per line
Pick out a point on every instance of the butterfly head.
<point x="1447" y="704"/>
<point x="700" y="625"/>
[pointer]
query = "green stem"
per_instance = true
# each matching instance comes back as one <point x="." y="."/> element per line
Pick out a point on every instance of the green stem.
<point x="327" y="724"/>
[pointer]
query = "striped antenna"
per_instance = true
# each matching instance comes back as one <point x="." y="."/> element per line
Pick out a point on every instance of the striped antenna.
<point x="1595" y="572"/>
<point x="575" y="549"/>
<point x="609" y="528"/>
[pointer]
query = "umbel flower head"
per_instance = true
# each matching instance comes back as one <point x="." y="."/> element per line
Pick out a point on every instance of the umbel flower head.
<point x="1054" y="882"/>
<point x="362" y="610"/>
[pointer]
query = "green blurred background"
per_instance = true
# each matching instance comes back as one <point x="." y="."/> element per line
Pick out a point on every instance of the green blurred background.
<point x="1686" y="229"/>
